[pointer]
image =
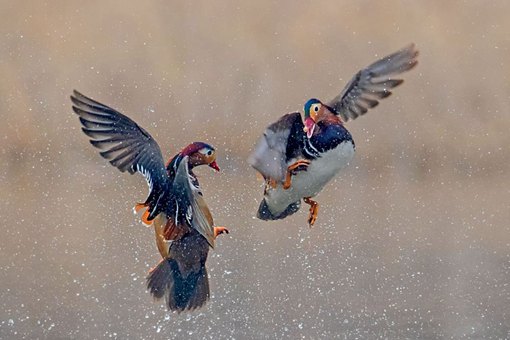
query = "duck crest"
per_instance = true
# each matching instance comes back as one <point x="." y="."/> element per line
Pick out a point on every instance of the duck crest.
<point x="194" y="147"/>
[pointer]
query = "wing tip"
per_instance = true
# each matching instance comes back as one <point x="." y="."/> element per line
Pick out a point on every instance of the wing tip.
<point x="412" y="53"/>
<point x="411" y="50"/>
<point x="76" y="95"/>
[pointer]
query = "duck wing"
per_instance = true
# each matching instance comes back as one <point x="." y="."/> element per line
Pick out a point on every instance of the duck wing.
<point x="281" y="141"/>
<point x="124" y="144"/>
<point x="373" y="83"/>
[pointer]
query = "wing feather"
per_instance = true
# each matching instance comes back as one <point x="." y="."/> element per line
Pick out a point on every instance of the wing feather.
<point x="118" y="136"/>
<point x="124" y="144"/>
<point x="282" y="140"/>
<point x="373" y="83"/>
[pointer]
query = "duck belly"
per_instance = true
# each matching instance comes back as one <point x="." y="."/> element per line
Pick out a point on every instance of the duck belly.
<point x="310" y="182"/>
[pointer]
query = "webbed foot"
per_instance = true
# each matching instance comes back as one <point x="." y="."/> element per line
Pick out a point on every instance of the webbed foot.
<point x="219" y="231"/>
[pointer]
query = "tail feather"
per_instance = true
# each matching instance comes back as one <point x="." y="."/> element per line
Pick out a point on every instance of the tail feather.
<point x="159" y="278"/>
<point x="265" y="214"/>
<point x="202" y="291"/>
<point x="181" y="292"/>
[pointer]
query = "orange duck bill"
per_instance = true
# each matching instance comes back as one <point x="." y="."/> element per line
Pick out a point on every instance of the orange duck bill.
<point x="215" y="166"/>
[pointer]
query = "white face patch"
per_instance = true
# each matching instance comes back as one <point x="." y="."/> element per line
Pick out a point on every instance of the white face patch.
<point x="206" y="151"/>
<point x="314" y="110"/>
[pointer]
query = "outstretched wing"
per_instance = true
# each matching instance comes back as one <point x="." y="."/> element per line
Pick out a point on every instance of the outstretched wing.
<point x="373" y="83"/>
<point x="190" y="202"/>
<point x="125" y="144"/>
<point x="282" y="141"/>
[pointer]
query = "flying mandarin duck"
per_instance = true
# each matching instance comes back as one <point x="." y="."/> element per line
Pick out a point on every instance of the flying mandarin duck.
<point x="298" y="158"/>
<point x="175" y="206"/>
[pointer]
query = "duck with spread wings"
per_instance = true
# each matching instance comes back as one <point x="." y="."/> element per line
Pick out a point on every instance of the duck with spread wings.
<point x="175" y="206"/>
<point x="298" y="158"/>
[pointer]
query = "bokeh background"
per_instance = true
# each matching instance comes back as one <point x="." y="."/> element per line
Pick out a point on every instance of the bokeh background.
<point x="412" y="241"/>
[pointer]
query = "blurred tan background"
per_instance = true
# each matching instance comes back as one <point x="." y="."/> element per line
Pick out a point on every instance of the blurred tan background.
<point x="412" y="241"/>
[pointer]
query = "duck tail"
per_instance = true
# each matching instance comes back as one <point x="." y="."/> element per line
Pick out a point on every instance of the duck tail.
<point x="265" y="214"/>
<point x="181" y="292"/>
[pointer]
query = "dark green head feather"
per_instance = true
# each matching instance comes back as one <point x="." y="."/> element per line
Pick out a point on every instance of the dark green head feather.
<point x="309" y="104"/>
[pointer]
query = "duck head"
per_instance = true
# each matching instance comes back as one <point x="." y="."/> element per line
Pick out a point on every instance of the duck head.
<point x="314" y="112"/>
<point x="200" y="153"/>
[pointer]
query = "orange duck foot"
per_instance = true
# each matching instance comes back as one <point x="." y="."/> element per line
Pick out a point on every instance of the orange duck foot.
<point x="300" y="165"/>
<point x="138" y="207"/>
<point x="314" y="210"/>
<point x="145" y="216"/>
<point x="219" y="231"/>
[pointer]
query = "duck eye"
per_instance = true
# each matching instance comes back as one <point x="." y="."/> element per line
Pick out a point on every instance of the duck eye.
<point x="209" y="152"/>
<point x="316" y="108"/>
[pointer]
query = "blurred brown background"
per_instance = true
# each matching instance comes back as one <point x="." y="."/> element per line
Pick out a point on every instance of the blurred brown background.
<point x="413" y="239"/>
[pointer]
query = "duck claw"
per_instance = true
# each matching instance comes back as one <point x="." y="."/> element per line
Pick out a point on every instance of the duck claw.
<point x="301" y="165"/>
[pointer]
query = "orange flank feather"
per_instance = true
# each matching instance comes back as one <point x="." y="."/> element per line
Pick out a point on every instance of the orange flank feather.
<point x="167" y="231"/>
<point x="163" y="245"/>
<point x="174" y="232"/>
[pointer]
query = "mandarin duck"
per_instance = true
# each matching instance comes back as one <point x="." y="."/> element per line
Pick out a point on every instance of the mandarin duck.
<point x="175" y="206"/>
<point x="298" y="158"/>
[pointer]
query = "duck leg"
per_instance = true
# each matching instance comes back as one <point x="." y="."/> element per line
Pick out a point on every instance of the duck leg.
<point x="314" y="210"/>
<point x="300" y="165"/>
